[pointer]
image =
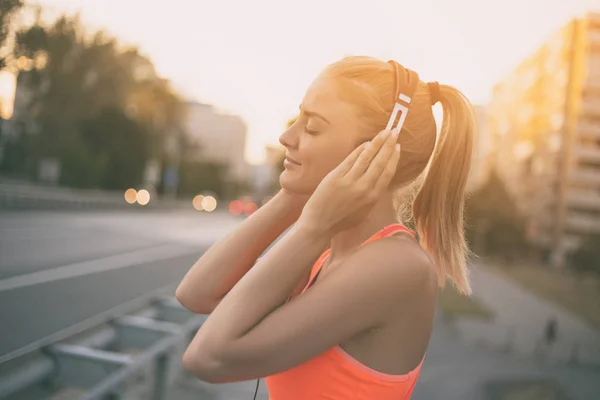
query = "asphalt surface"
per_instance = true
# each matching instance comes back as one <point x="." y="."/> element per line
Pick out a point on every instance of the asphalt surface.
<point x="31" y="242"/>
<point x="60" y="269"/>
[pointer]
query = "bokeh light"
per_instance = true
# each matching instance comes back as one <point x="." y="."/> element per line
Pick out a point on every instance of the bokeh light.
<point x="131" y="195"/>
<point x="250" y="208"/>
<point x="236" y="207"/>
<point x="41" y="60"/>
<point x="23" y="63"/>
<point x="143" y="197"/>
<point x="197" y="202"/>
<point x="209" y="203"/>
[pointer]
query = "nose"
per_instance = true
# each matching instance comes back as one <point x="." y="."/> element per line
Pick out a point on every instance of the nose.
<point x="289" y="138"/>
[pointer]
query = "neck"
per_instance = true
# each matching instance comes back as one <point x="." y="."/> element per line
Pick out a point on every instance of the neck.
<point x="382" y="214"/>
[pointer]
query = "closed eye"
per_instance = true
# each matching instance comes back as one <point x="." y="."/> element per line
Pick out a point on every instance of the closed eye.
<point x="309" y="131"/>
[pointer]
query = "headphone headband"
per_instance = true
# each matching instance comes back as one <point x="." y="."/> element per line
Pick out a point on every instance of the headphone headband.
<point x="406" y="82"/>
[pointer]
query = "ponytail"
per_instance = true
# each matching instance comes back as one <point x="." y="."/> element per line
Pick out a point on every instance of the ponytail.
<point x="438" y="207"/>
<point x="433" y="174"/>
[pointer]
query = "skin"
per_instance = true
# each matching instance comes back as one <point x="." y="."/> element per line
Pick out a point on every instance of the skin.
<point x="318" y="142"/>
<point x="380" y="298"/>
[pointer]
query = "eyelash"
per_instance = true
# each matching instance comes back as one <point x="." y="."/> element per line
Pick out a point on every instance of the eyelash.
<point x="309" y="131"/>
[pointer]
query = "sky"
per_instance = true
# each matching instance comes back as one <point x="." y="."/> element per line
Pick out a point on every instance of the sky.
<point x="256" y="58"/>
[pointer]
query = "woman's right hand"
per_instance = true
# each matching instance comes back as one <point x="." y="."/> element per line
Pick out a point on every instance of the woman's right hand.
<point x="346" y="195"/>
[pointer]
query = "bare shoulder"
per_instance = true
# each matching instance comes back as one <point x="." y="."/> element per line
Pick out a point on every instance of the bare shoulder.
<point x="399" y="261"/>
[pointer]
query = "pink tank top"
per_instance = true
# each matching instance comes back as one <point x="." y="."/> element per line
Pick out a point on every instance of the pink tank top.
<point x="335" y="374"/>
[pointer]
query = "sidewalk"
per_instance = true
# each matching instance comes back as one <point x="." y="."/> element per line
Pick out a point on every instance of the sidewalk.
<point x="519" y="321"/>
<point x="457" y="370"/>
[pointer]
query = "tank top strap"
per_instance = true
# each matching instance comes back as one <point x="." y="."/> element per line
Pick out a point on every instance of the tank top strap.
<point x="386" y="231"/>
<point x="317" y="265"/>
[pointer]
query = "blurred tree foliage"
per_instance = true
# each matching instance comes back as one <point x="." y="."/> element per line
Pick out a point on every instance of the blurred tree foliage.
<point x="97" y="107"/>
<point x="201" y="177"/>
<point x="120" y="150"/>
<point x="494" y="224"/>
<point x="587" y="257"/>
<point x="8" y="9"/>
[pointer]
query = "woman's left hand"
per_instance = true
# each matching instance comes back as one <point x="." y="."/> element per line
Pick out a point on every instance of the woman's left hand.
<point x="347" y="193"/>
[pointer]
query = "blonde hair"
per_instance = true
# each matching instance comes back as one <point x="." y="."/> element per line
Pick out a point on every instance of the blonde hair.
<point x="435" y="174"/>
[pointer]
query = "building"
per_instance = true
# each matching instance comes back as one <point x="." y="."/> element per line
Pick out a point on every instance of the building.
<point x="544" y="119"/>
<point x="221" y="137"/>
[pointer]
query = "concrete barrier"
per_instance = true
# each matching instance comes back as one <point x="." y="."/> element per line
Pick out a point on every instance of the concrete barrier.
<point x="25" y="196"/>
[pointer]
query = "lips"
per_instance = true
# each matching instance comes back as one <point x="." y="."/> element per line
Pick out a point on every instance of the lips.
<point x="291" y="160"/>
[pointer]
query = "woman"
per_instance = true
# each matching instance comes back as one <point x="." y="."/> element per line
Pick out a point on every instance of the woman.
<point x="355" y="324"/>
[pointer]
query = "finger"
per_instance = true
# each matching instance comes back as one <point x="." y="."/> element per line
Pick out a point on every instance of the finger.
<point x="362" y="163"/>
<point x="380" y="161"/>
<point x="389" y="171"/>
<point x="349" y="161"/>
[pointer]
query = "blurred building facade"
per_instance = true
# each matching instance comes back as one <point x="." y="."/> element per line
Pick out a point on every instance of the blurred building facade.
<point x="544" y="119"/>
<point x="220" y="137"/>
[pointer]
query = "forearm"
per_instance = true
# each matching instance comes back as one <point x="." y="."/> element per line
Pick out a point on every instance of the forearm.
<point x="228" y="260"/>
<point x="262" y="290"/>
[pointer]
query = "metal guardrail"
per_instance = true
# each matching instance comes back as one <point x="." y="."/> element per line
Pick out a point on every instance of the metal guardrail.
<point x="131" y="356"/>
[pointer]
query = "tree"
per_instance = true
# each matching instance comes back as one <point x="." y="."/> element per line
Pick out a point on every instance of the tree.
<point x="117" y="147"/>
<point x="494" y="224"/>
<point x="69" y="80"/>
<point x="8" y="9"/>
<point x="201" y="176"/>
<point x="587" y="257"/>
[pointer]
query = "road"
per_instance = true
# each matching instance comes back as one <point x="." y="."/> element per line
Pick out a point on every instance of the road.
<point x="61" y="268"/>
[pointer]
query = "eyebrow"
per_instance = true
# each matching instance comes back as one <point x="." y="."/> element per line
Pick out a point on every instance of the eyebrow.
<point x="313" y="114"/>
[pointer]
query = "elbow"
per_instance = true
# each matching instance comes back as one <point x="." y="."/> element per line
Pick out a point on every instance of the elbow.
<point x="197" y="366"/>
<point x="204" y="367"/>
<point x="194" y="302"/>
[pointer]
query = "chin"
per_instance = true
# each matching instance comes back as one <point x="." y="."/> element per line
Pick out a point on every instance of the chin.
<point x="295" y="185"/>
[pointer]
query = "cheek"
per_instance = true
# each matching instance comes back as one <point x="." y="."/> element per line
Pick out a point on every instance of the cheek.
<point x="328" y="162"/>
<point x="321" y="163"/>
<point x="318" y="159"/>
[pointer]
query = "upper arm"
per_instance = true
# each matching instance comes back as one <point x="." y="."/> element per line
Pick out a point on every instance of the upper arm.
<point x="356" y="296"/>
